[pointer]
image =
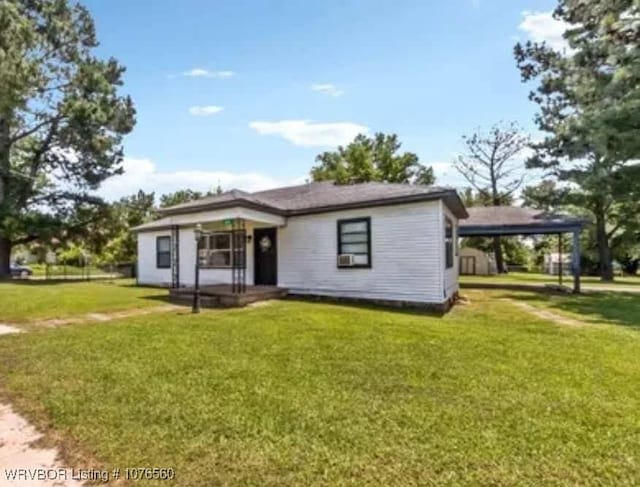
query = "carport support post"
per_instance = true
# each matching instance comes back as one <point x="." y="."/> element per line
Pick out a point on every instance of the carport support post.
<point x="560" y="259"/>
<point x="576" y="261"/>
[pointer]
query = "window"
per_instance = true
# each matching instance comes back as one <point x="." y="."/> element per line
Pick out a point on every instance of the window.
<point x="163" y="252"/>
<point x="448" y="242"/>
<point x="216" y="250"/>
<point x="354" y="237"/>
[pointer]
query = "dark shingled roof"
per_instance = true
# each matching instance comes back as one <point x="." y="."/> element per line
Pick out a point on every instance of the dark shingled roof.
<point x="496" y="220"/>
<point x="219" y="200"/>
<point x="324" y="196"/>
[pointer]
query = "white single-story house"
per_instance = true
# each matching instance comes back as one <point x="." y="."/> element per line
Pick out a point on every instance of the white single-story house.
<point x="393" y="243"/>
<point x="475" y="262"/>
<point x="554" y="261"/>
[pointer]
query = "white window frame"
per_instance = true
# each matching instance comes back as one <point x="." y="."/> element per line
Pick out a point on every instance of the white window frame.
<point x="449" y="242"/>
<point x="205" y="251"/>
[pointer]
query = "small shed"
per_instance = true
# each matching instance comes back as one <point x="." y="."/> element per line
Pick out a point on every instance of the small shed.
<point x="475" y="262"/>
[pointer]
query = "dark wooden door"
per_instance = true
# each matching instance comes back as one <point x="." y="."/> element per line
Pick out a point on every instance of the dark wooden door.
<point x="265" y="251"/>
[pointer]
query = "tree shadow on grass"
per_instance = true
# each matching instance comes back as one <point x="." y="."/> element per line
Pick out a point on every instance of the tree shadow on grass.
<point x="610" y="307"/>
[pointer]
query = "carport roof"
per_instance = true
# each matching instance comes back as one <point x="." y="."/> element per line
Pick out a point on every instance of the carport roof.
<point x="486" y="221"/>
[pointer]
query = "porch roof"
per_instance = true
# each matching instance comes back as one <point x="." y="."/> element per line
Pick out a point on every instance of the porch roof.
<point x="191" y="219"/>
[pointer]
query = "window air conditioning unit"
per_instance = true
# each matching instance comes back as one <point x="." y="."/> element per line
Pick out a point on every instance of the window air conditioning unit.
<point x="345" y="260"/>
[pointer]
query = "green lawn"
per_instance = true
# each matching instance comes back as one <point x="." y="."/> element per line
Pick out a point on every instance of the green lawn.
<point x="308" y="393"/>
<point x="22" y="301"/>
<point x="616" y="308"/>
<point x="541" y="279"/>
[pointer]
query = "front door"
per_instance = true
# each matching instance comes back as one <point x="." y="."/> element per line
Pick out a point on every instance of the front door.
<point x="265" y="251"/>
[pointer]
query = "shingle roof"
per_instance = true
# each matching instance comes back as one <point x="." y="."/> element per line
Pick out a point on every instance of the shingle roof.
<point x="325" y="196"/>
<point x="233" y="195"/>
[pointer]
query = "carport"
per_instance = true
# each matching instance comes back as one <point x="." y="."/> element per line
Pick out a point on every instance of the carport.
<point x="503" y="221"/>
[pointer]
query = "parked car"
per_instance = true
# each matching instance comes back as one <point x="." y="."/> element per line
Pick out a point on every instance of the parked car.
<point x="20" y="271"/>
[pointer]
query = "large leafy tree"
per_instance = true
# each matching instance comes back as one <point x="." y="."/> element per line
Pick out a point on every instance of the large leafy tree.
<point x="546" y="196"/>
<point x="124" y="214"/>
<point x="492" y="167"/>
<point x="623" y="236"/>
<point x="180" y="196"/>
<point x="186" y="195"/>
<point x="368" y="159"/>
<point x="589" y="104"/>
<point x="61" y="121"/>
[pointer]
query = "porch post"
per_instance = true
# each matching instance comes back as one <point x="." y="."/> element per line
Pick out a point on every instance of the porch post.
<point x="175" y="256"/>
<point x="576" y="261"/>
<point x="238" y="256"/>
<point x="195" y="308"/>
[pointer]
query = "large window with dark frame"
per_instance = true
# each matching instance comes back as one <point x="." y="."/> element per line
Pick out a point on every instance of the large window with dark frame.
<point x="219" y="250"/>
<point x="163" y="252"/>
<point x="354" y="238"/>
<point x="448" y="242"/>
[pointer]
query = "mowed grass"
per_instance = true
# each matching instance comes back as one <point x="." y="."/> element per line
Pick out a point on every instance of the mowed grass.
<point x="22" y="301"/>
<point x="295" y="393"/>
<point x="542" y="279"/>
<point x="601" y="307"/>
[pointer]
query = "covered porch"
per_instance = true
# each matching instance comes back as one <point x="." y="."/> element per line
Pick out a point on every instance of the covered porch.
<point x="221" y="252"/>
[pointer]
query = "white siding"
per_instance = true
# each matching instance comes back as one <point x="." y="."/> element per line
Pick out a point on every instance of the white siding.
<point x="148" y="273"/>
<point x="407" y="255"/>
<point x="407" y="247"/>
<point x="451" y="285"/>
<point x="208" y="276"/>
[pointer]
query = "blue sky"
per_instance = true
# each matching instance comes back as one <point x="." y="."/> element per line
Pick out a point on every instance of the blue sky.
<point x="249" y="92"/>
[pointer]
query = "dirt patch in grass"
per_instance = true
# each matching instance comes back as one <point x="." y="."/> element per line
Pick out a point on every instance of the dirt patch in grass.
<point x="99" y="317"/>
<point x="8" y="329"/>
<point x="548" y="315"/>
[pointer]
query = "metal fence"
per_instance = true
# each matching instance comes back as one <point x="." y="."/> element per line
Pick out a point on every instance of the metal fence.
<point x="64" y="271"/>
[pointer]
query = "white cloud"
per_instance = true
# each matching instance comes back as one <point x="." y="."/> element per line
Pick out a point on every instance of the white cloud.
<point x="446" y="174"/>
<point x="205" y="110"/>
<point x="327" y="89"/>
<point x="311" y="134"/>
<point x="205" y="73"/>
<point x="542" y="27"/>
<point x="143" y="174"/>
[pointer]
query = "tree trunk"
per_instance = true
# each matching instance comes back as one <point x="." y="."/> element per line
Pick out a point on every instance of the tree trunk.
<point x="497" y="251"/>
<point x="631" y="266"/>
<point x="604" y="251"/>
<point x="5" y="256"/>
<point x="5" y="243"/>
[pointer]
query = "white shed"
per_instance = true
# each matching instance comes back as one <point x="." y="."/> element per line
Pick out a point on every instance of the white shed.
<point x="476" y="262"/>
